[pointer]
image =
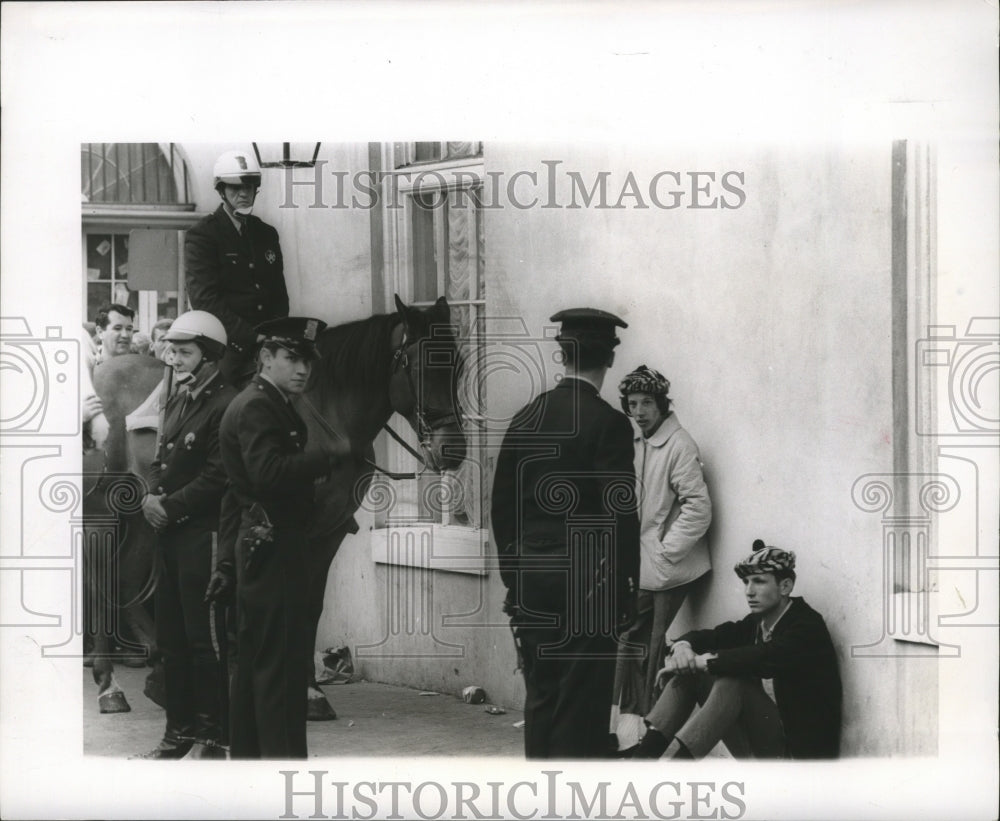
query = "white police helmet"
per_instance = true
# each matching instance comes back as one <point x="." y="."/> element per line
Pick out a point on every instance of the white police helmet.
<point x="201" y="327"/>
<point x="236" y="168"/>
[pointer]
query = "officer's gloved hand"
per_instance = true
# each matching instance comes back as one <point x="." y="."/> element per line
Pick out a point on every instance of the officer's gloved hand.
<point x="221" y="586"/>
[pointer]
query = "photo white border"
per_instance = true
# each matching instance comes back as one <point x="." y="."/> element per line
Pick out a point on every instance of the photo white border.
<point x="755" y="71"/>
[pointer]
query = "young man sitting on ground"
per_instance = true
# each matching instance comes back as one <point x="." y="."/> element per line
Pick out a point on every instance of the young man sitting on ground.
<point x="721" y="669"/>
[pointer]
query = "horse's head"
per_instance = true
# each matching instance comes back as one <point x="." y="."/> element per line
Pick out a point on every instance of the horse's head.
<point x="423" y="387"/>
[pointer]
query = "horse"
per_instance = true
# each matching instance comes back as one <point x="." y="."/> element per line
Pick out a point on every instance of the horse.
<point x="406" y="362"/>
<point x="118" y="554"/>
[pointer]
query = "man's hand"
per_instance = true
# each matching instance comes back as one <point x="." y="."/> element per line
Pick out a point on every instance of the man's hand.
<point x="152" y="509"/>
<point x="683" y="658"/>
<point x="92" y="407"/>
<point x="701" y="662"/>
<point x="220" y="587"/>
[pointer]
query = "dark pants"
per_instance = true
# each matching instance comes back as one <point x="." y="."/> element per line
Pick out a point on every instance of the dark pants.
<point x="189" y="633"/>
<point x="734" y="710"/>
<point x="568" y="685"/>
<point x="268" y="712"/>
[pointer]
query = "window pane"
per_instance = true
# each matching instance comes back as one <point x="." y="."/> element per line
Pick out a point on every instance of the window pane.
<point x="123" y="296"/>
<point x="425" y="152"/>
<point x="457" y="150"/>
<point x="99" y="256"/>
<point x="121" y="256"/>
<point x="425" y="267"/>
<point x="98" y="295"/>
<point x="461" y="254"/>
<point x="166" y="305"/>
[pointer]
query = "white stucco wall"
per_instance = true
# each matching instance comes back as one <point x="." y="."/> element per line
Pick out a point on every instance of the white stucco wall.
<point x="772" y="321"/>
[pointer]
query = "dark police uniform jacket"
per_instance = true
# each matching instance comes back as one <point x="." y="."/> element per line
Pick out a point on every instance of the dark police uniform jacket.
<point x="567" y="456"/>
<point x="238" y="279"/>
<point x="801" y="659"/>
<point x="188" y="467"/>
<point x="263" y="450"/>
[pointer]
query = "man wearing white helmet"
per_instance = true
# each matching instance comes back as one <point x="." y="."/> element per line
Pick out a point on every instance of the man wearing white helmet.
<point x="188" y="483"/>
<point x="234" y="266"/>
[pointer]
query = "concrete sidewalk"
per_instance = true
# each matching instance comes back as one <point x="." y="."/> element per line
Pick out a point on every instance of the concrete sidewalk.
<point x="372" y="720"/>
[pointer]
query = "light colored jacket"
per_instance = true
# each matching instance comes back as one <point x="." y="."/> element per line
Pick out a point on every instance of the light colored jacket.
<point x="674" y="508"/>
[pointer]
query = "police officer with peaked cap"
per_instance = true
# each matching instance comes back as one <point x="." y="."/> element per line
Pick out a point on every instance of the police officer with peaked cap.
<point x="263" y="449"/>
<point x="565" y="525"/>
<point x="189" y="483"/>
<point x="233" y="264"/>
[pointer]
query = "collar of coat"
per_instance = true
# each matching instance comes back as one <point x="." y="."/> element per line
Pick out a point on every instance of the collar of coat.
<point x="667" y="428"/>
<point x="579" y="384"/>
<point x="271" y="389"/>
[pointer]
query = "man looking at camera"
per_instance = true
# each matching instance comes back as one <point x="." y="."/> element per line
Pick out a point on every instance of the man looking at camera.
<point x="115" y="328"/>
<point x="189" y="482"/>
<point x="782" y="639"/>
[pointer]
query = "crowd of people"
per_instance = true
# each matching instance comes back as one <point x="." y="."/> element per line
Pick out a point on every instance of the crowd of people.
<point x="593" y="583"/>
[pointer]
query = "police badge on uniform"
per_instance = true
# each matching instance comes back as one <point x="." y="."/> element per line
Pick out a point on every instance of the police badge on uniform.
<point x="270" y="256"/>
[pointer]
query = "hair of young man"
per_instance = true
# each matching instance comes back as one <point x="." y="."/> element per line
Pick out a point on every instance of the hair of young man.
<point x="101" y="320"/>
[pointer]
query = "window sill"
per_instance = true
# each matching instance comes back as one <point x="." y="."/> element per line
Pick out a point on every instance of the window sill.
<point x="431" y="546"/>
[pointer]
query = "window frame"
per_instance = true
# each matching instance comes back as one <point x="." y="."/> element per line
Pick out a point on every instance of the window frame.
<point x="455" y="547"/>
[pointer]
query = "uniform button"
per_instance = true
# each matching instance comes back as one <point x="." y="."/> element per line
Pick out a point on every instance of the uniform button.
<point x="260" y="307"/>
<point x="256" y="285"/>
<point x="170" y="445"/>
<point x="251" y="265"/>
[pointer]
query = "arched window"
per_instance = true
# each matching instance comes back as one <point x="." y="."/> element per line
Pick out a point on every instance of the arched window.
<point x="125" y="188"/>
<point x="133" y="174"/>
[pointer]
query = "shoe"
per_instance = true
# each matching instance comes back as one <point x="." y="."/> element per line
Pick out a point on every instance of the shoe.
<point x="167" y="750"/>
<point x="207" y="750"/>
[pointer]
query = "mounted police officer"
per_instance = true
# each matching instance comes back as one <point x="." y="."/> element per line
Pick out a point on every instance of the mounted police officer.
<point x="564" y="521"/>
<point x="233" y="264"/>
<point x="189" y="482"/>
<point x="272" y="478"/>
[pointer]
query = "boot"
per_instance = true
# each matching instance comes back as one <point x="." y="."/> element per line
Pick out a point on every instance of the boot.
<point x="176" y="743"/>
<point x="204" y="749"/>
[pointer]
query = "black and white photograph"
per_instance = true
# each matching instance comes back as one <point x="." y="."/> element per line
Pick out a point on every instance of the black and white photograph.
<point x="540" y="411"/>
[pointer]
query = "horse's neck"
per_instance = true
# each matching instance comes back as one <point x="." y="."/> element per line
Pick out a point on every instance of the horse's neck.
<point x="353" y="415"/>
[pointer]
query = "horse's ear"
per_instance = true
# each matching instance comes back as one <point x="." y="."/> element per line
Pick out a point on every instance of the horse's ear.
<point x="399" y="305"/>
<point x="442" y="307"/>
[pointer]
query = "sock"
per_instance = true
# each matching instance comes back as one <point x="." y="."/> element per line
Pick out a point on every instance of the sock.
<point x="653" y="744"/>
<point x="682" y="752"/>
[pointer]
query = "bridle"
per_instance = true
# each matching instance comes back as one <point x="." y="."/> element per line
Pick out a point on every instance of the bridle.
<point x="426" y="423"/>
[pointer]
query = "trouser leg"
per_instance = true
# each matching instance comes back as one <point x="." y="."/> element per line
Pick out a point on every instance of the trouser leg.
<point x="172" y="640"/>
<point x="674" y="706"/>
<point x="202" y="628"/>
<point x="733" y="708"/>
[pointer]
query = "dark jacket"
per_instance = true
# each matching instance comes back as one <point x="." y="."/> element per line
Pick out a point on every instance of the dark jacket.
<point x="801" y="659"/>
<point x="566" y="461"/>
<point x="263" y="442"/>
<point x="188" y="464"/>
<point x="239" y="280"/>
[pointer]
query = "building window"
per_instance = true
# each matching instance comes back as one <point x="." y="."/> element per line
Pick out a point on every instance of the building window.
<point x="128" y="187"/>
<point x="435" y="246"/>
<point x="133" y="173"/>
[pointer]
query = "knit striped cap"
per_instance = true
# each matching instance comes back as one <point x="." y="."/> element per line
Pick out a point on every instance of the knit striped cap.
<point x="644" y="380"/>
<point x="765" y="559"/>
